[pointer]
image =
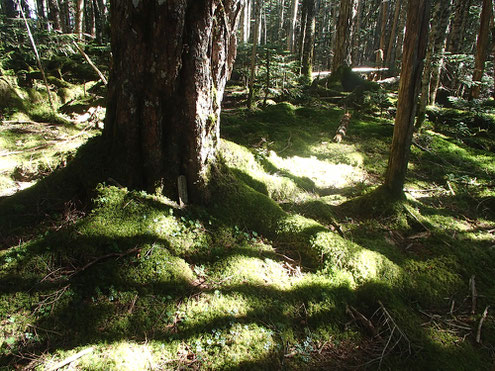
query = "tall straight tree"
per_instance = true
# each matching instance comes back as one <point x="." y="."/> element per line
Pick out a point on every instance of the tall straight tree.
<point x="482" y="46"/>
<point x="438" y="25"/>
<point x="252" y="74"/>
<point x="291" y="33"/>
<point x="415" y="42"/>
<point x="439" y="47"/>
<point x="457" y="30"/>
<point x="392" y="44"/>
<point x="171" y="61"/>
<point x="341" y="48"/>
<point x="309" y="39"/>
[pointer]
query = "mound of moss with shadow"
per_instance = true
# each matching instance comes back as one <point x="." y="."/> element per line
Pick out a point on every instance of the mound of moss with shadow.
<point x="277" y="272"/>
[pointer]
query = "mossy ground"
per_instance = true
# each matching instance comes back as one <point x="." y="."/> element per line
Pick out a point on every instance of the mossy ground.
<point x="276" y="272"/>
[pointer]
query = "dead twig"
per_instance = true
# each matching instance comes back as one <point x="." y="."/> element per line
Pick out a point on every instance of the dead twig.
<point x="100" y="74"/>
<point x="97" y="260"/>
<point x="474" y="294"/>
<point x="482" y="319"/>
<point x="71" y="359"/>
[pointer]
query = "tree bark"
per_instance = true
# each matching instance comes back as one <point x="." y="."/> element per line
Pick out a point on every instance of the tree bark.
<point x="389" y="62"/>
<point x="302" y="32"/>
<point x="380" y="55"/>
<point x="456" y="37"/>
<point x="482" y="47"/>
<point x="171" y="61"/>
<point x="440" y="45"/>
<point x="291" y="33"/>
<point x="252" y="75"/>
<point x="356" y="33"/>
<point x="54" y="14"/>
<point x="341" y="48"/>
<point x="415" y="43"/>
<point x="436" y="29"/>
<point x="309" y="40"/>
<point x="78" y="22"/>
<point x="246" y="22"/>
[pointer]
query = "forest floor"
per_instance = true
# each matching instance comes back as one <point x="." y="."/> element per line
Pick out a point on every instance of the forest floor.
<point x="296" y="264"/>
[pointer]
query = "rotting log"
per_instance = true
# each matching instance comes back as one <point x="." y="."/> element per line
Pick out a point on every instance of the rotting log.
<point x="342" y="129"/>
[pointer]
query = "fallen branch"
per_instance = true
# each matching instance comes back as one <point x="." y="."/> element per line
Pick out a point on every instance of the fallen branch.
<point x="71" y="359"/>
<point x="474" y="294"/>
<point x="342" y="129"/>
<point x="359" y="317"/>
<point x="99" y="259"/>
<point x="483" y="317"/>
<point x="102" y="77"/>
<point x="38" y="59"/>
<point x="415" y="144"/>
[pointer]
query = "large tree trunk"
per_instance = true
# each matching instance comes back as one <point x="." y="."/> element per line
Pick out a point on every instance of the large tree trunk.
<point x="341" y="47"/>
<point x="171" y="61"/>
<point x="415" y="42"/>
<point x="309" y="40"/>
<point x="482" y="47"/>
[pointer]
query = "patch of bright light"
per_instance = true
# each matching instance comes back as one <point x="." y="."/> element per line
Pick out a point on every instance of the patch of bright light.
<point x="324" y="174"/>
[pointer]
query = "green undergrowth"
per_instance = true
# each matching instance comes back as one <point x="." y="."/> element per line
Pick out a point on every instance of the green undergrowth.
<point x="297" y="263"/>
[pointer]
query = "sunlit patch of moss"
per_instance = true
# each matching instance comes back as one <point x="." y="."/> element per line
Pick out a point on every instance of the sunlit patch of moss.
<point x="338" y="153"/>
<point x="254" y="271"/>
<point x="213" y="308"/>
<point x="274" y="185"/>
<point x="235" y="346"/>
<point x="323" y="174"/>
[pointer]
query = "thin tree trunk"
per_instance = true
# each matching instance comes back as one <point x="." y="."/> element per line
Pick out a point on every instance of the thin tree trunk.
<point x="400" y="36"/>
<point x="440" y="45"/>
<point x="309" y="41"/>
<point x="380" y="55"/>
<point x="482" y="47"/>
<point x="341" y="47"/>
<point x="493" y="55"/>
<point x="291" y="34"/>
<point x="415" y="43"/>
<point x="90" y="19"/>
<point x="246" y="19"/>
<point x="252" y="75"/>
<point x="280" y="31"/>
<point x="456" y="37"/>
<point x="79" y="16"/>
<point x="430" y="52"/>
<point x="38" y="59"/>
<point x="393" y="35"/>
<point x="65" y="15"/>
<point x="302" y="32"/>
<point x="356" y="33"/>
<point x="54" y="14"/>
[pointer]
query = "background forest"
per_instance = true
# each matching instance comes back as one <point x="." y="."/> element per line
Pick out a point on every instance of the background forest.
<point x="298" y="260"/>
